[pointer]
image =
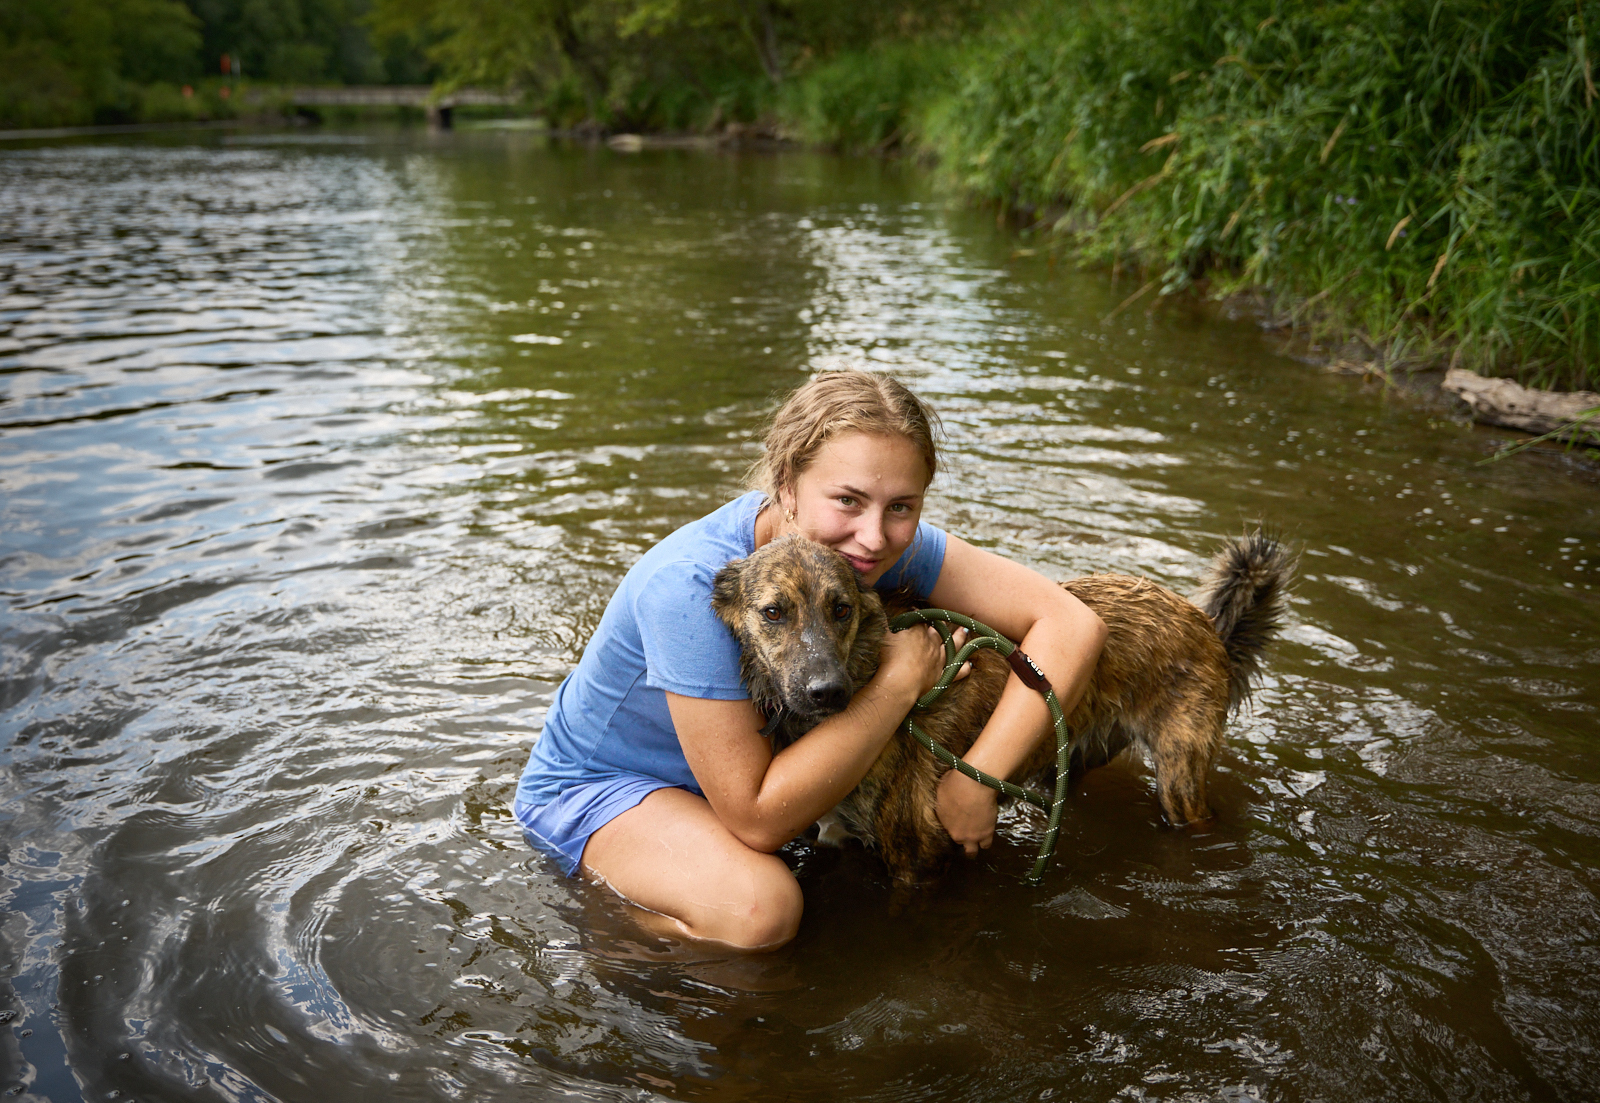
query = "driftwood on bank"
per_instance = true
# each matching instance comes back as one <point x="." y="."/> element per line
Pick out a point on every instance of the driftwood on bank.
<point x="1502" y="402"/>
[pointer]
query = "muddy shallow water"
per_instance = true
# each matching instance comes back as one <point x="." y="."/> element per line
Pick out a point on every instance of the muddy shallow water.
<point x="320" y="456"/>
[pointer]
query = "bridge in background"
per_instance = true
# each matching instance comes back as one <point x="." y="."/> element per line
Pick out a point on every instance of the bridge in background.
<point x="440" y="107"/>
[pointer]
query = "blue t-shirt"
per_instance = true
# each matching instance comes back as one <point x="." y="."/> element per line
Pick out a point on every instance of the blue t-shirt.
<point x="609" y="717"/>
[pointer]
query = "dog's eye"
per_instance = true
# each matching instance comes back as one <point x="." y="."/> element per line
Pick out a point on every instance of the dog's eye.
<point x="842" y="611"/>
<point x="772" y="613"/>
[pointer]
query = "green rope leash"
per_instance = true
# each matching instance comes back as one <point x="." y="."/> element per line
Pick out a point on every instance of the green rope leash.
<point x="982" y="636"/>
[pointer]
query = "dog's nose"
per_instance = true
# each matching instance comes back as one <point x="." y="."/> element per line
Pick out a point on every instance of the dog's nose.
<point x="828" y="694"/>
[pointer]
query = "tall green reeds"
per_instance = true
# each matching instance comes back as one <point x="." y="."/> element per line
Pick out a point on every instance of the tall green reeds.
<point x="1423" y="171"/>
<point x="872" y="98"/>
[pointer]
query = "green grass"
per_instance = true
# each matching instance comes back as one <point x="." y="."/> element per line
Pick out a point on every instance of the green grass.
<point x="1422" y="172"/>
<point x="870" y="99"/>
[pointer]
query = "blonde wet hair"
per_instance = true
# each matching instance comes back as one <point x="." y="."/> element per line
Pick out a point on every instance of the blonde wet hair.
<point x="839" y="402"/>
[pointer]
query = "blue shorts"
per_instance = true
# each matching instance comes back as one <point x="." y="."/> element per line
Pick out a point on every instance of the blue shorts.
<point x="562" y="827"/>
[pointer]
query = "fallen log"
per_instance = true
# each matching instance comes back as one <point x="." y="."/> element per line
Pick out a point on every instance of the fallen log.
<point x="1564" y="415"/>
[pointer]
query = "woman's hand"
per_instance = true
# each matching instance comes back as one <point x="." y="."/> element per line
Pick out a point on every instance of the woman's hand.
<point x="968" y="810"/>
<point x="1060" y="633"/>
<point x="915" y="657"/>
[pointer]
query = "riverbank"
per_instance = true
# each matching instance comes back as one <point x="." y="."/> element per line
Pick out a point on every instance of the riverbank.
<point x="1421" y="176"/>
<point x="46" y="133"/>
<point x="1567" y="422"/>
<point x="1558" y="426"/>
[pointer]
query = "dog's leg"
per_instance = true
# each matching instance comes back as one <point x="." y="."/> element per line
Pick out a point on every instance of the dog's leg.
<point x="1180" y="752"/>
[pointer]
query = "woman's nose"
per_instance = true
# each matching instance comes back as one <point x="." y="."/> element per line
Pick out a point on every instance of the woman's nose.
<point x="870" y="534"/>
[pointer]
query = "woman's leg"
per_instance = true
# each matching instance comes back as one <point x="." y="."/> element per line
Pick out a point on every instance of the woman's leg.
<point x="671" y="856"/>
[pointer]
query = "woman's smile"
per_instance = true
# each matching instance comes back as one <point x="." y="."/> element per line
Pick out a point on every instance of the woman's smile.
<point x="862" y="566"/>
<point x="862" y="497"/>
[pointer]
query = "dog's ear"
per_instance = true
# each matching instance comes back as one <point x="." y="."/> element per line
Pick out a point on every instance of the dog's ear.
<point x="870" y="629"/>
<point x="725" y="590"/>
<point x="871" y="602"/>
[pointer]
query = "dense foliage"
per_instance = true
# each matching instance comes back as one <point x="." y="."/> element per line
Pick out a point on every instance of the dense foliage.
<point x="72" y="62"/>
<point x="1424" y="171"/>
<point x="657" y="64"/>
<point x="77" y="61"/>
<point x="305" y="41"/>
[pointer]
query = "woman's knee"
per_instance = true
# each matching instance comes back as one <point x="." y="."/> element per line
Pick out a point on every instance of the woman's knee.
<point x="711" y="885"/>
<point x="769" y="914"/>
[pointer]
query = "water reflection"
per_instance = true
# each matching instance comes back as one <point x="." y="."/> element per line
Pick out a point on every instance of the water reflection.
<point x="320" y="460"/>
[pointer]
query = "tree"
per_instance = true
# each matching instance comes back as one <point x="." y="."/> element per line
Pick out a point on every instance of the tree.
<point x="75" y="61"/>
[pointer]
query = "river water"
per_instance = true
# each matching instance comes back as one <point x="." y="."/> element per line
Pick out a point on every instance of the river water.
<point x="321" y="454"/>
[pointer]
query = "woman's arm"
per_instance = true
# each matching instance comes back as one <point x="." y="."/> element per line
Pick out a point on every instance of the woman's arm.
<point x="764" y="799"/>
<point x="1061" y="634"/>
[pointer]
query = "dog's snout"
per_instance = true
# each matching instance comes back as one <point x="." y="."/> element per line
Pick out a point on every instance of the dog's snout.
<point x="828" y="694"/>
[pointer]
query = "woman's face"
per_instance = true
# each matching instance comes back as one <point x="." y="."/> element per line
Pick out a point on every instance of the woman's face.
<point x="861" y="496"/>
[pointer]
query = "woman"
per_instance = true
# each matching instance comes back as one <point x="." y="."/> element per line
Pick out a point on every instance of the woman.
<point x="652" y="776"/>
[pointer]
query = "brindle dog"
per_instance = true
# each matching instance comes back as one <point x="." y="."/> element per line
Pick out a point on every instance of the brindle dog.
<point x="1169" y="674"/>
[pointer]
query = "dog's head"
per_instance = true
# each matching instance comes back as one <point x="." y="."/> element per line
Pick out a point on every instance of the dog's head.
<point x="808" y="630"/>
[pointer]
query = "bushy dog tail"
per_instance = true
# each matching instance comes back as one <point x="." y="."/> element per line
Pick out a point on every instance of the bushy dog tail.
<point x="1245" y="592"/>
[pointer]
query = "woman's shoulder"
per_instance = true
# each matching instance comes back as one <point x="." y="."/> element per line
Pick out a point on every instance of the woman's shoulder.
<point x="666" y="601"/>
<point x="727" y="532"/>
<point x="694" y="553"/>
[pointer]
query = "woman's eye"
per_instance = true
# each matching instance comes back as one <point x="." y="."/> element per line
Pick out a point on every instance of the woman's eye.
<point x="842" y="611"/>
<point x="900" y="507"/>
<point x="773" y="613"/>
<point x="846" y="500"/>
